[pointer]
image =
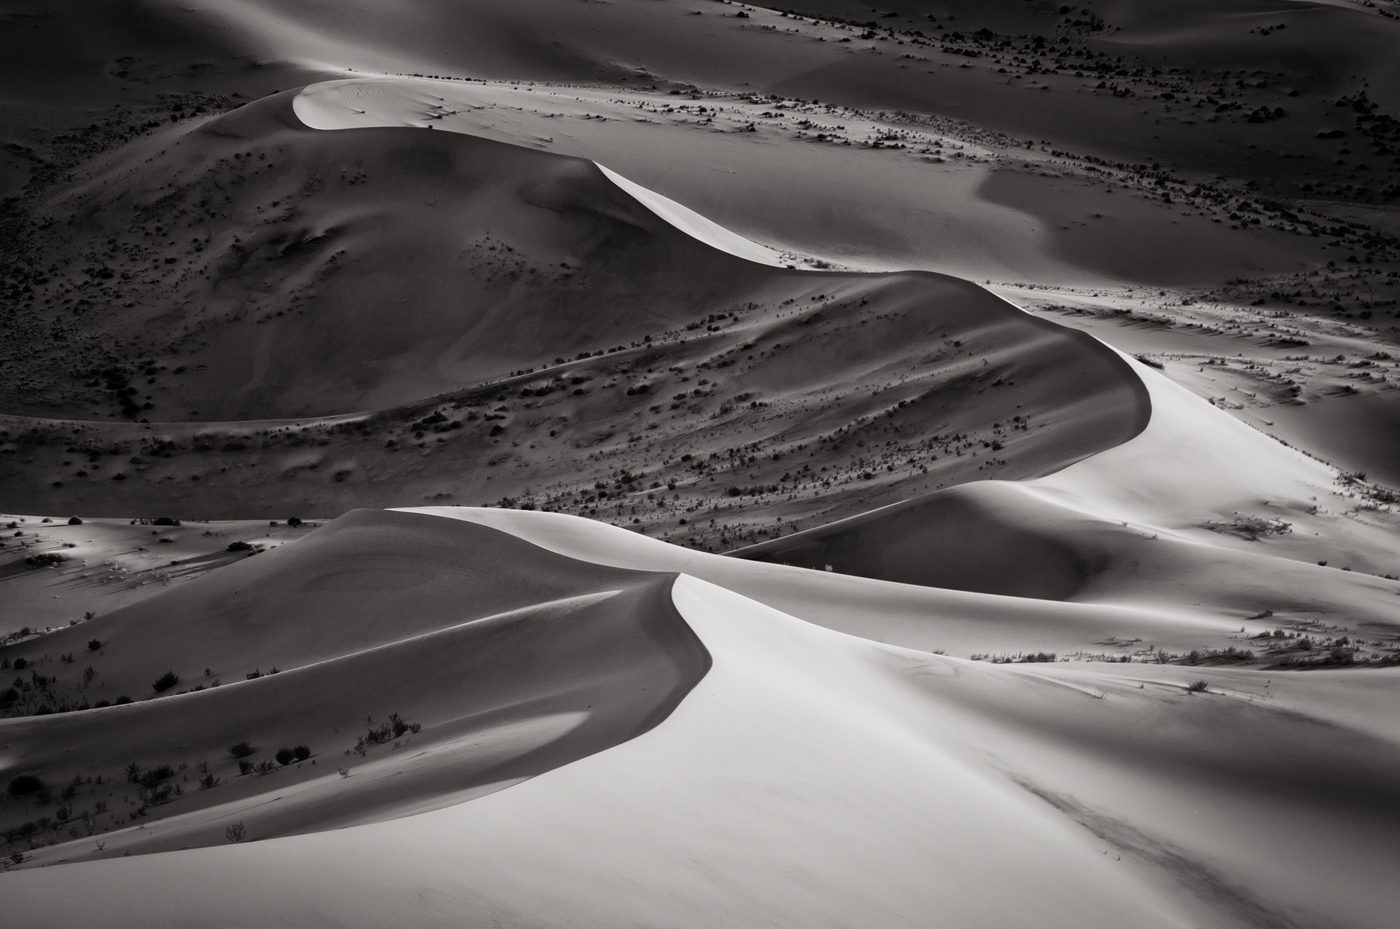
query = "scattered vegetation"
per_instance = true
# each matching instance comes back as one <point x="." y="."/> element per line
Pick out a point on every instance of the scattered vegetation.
<point x="286" y="756"/>
<point x="1252" y="528"/>
<point x="392" y="728"/>
<point x="1018" y="658"/>
<point x="25" y="784"/>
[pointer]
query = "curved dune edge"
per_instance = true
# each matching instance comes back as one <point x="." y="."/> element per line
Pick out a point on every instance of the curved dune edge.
<point x="799" y="784"/>
<point x="813" y="778"/>
<point x="513" y="660"/>
<point x="310" y="109"/>
<point x="693" y="224"/>
<point x="1191" y="464"/>
<point x="1121" y="530"/>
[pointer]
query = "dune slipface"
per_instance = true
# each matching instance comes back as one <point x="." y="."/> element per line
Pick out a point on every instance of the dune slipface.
<point x="499" y="661"/>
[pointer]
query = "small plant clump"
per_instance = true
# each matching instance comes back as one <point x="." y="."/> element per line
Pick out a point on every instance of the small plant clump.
<point x="1197" y="687"/>
<point x="155" y="775"/>
<point x="392" y="728"/>
<point x="241" y="750"/>
<point x="236" y="833"/>
<point x="166" y="681"/>
<point x="25" y="784"/>
<point x="286" y="756"/>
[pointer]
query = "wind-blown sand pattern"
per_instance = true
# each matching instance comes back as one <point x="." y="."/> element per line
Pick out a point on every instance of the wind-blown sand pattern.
<point x="674" y="465"/>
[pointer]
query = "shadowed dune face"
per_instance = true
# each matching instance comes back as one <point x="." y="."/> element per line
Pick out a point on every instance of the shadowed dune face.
<point x="956" y="539"/>
<point x="511" y="659"/>
<point x="837" y="393"/>
<point x="310" y="273"/>
<point x="371" y="267"/>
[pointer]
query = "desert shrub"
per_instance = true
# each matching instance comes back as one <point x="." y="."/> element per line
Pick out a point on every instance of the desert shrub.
<point x="166" y="681"/>
<point x="239" y="546"/>
<point x="208" y="781"/>
<point x="8" y="697"/>
<point x="22" y="831"/>
<point x="1197" y="687"/>
<point x="25" y="784"/>
<point x="264" y="767"/>
<point x="94" y="644"/>
<point x="301" y="752"/>
<point x="244" y="766"/>
<point x="285" y="756"/>
<point x="155" y="796"/>
<point x="155" y="775"/>
<point x="241" y="750"/>
<point x="377" y="735"/>
<point x="392" y="728"/>
<point x="74" y="521"/>
<point x="120" y="700"/>
<point x="133" y="772"/>
<point x="294" y="521"/>
<point x="236" y="832"/>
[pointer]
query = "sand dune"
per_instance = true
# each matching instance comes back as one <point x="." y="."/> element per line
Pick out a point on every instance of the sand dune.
<point x="752" y="557"/>
<point x="831" y="363"/>
<point x="511" y="660"/>
<point x="891" y="783"/>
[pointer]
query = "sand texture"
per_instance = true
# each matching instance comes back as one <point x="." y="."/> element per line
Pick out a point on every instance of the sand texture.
<point x="529" y="463"/>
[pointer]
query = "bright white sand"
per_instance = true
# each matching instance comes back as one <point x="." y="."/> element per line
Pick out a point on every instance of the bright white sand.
<point x="695" y="225"/>
<point x="813" y="778"/>
<point x="336" y="105"/>
<point x="800" y="784"/>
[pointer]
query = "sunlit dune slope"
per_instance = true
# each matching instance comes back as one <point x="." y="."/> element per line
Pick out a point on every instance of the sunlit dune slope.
<point x="812" y="776"/>
<point x="1192" y="529"/>
<point x="1196" y="514"/>
<point x="511" y="659"/>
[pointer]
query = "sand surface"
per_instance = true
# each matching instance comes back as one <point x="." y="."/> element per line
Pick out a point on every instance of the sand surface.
<point x="647" y="464"/>
<point x="890" y="782"/>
